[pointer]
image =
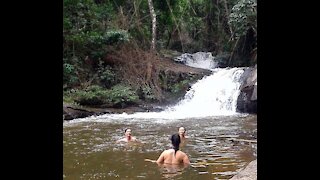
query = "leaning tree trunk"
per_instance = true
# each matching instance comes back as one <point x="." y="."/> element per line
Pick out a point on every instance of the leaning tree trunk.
<point x="174" y="19"/>
<point x="154" y="20"/>
<point x="228" y="14"/>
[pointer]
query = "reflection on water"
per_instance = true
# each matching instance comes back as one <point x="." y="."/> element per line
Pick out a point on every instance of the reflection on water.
<point x="91" y="151"/>
<point x="171" y="170"/>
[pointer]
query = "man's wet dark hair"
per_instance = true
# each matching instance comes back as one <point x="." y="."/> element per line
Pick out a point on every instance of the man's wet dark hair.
<point x="126" y="130"/>
<point x="175" y="140"/>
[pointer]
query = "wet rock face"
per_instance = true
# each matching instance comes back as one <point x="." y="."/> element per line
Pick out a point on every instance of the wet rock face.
<point x="222" y="60"/>
<point x="70" y="112"/>
<point x="248" y="173"/>
<point x="247" y="100"/>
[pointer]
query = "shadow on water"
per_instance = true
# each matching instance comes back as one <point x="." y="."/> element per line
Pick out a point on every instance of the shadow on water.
<point x="91" y="152"/>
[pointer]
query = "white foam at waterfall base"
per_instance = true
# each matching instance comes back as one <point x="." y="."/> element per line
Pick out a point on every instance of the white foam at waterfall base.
<point x="214" y="95"/>
<point x="201" y="60"/>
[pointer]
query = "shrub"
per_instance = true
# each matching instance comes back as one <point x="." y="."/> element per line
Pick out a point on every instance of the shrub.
<point x="121" y="96"/>
<point x="92" y="95"/>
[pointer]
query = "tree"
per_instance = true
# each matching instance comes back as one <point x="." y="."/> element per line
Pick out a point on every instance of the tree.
<point x="154" y="24"/>
<point x="244" y="20"/>
<point x="243" y="17"/>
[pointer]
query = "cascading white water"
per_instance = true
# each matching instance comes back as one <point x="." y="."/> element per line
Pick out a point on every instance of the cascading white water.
<point x="214" y="95"/>
<point x="203" y="60"/>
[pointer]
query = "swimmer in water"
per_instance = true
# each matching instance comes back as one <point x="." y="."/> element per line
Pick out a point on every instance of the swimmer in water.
<point x="182" y="134"/>
<point x="174" y="155"/>
<point x="128" y="137"/>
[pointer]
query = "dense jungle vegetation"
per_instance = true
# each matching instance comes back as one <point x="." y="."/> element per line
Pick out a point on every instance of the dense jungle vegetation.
<point x="112" y="49"/>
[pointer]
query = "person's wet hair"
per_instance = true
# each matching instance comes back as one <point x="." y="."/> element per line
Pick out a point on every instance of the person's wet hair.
<point x="183" y="128"/>
<point x="175" y="140"/>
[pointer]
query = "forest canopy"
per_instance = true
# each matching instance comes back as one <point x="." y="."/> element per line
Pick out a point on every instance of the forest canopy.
<point x="94" y="31"/>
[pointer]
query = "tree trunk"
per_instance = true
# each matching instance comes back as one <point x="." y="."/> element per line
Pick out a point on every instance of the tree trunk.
<point x="228" y="14"/>
<point x="233" y="51"/>
<point x="177" y="26"/>
<point x="154" y="27"/>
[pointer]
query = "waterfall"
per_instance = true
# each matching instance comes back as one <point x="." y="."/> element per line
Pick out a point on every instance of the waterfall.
<point x="203" y="60"/>
<point x="213" y="95"/>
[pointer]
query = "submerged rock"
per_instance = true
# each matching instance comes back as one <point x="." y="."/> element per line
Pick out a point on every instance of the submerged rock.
<point x="248" y="173"/>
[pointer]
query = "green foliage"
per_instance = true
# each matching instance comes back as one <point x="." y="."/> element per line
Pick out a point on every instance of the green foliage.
<point x="121" y="95"/>
<point x="178" y="87"/>
<point x="93" y="95"/>
<point x="116" y="36"/>
<point x="86" y="37"/>
<point x="148" y="94"/>
<point x="69" y="76"/>
<point x="68" y="68"/>
<point x="117" y="96"/>
<point x="106" y="75"/>
<point x="92" y="29"/>
<point x="243" y="17"/>
<point x="96" y="38"/>
<point x="184" y="26"/>
<point x="68" y="97"/>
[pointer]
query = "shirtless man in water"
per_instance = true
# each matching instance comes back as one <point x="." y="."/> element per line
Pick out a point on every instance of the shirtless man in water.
<point x="174" y="155"/>
<point x="128" y="137"/>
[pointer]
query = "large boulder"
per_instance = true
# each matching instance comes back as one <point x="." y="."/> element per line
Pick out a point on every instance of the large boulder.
<point x="72" y="112"/>
<point x="248" y="173"/>
<point x="247" y="100"/>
